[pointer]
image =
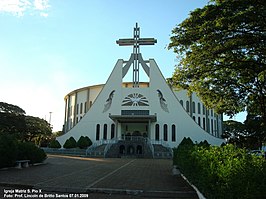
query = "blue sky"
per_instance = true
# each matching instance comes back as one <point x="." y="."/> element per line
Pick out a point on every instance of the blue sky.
<point x="51" y="47"/>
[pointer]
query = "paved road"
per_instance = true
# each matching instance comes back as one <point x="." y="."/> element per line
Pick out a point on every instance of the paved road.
<point x="96" y="178"/>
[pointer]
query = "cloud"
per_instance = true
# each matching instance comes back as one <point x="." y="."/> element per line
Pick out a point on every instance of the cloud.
<point x="43" y="14"/>
<point x="41" y="4"/>
<point x="20" y="7"/>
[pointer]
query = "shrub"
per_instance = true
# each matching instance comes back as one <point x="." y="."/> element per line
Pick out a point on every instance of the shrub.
<point x="84" y="142"/>
<point x="222" y="172"/>
<point x="55" y="144"/>
<point x="8" y="150"/>
<point x="70" y="143"/>
<point x="29" y="151"/>
<point x="183" y="148"/>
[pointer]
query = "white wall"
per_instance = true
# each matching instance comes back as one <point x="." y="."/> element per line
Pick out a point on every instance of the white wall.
<point x="176" y="114"/>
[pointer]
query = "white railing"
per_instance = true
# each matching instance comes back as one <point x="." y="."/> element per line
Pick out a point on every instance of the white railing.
<point x="150" y="146"/>
<point x="108" y="146"/>
<point x="163" y="143"/>
<point x="133" y="138"/>
<point x="148" y="141"/>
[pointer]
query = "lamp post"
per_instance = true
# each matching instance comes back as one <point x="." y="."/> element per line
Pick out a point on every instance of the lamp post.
<point x="50" y="117"/>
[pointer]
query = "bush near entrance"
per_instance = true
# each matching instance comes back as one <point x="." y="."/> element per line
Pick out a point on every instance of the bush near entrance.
<point x="70" y="143"/>
<point x="55" y="144"/>
<point x="84" y="142"/>
<point x="222" y="172"/>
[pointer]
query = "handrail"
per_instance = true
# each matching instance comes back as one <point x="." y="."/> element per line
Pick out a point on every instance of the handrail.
<point x="132" y="138"/>
<point x="108" y="146"/>
<point x="163" y="143"/>
<point x="150" y="146"/>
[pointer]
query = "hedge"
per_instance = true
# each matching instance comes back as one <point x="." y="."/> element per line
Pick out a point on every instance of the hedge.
<point x="84" y="142"/>
<point x="8" y="151"/>
<point x="29" y="151"/>
<point x="55" y="144"/>
<point x="222" y="172"/>
<point x="12" y="150"/>
<point x="70" y="143"/>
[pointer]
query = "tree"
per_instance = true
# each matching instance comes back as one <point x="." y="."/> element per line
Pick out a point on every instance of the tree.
<point x="37" y="130"/>
<point x="234" y="131"/>
<point x="12" y="119"/>
<point x="222" y="49"/>
<point x="58" y="133"/>
<point x="10" y="108"/>
<point x="250" y="134"/>
<point x="256" y="130"/>
<point x="25" y="128"/>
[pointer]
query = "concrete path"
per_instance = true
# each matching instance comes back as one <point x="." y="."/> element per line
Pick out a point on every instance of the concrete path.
<point x="99" y="178"/>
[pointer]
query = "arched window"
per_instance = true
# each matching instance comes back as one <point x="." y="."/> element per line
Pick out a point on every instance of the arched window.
<point x="215" y="128"/>
<point x="194" y="118"/>
<point x="199" y="108"/>
<point x="199" y="123"/>
<point x="81" y="108"/>
<point x="203" y="109"/>
<point x="204" y="124"/>
<point x="187" y="106"/>
<point x="85" y="107"/>
<point x="157" y="132"/>
<point x="112" y="131"/>
<point x="181" y="102"/>
<point x="139" y="149"/>
<point x="193" y="107"/>
<point x="212" y="126"/>
<point x="122" y="149"/>
<point x="173" y="133"/>
<point x="98" y="132"/>
<point x="165" y="132"/>
<point x="77" y="111"/>
<point x="105" y="131"/>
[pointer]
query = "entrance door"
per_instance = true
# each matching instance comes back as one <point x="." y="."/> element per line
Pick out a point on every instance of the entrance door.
<point x="134" y="129"/>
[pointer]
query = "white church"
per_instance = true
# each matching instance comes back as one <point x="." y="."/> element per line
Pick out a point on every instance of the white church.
<point x="144" y="119"/>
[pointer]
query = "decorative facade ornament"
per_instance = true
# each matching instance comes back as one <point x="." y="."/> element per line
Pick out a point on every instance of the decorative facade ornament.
<point x="108" y="103"/>
<point x="135" y="99"/>
<point x="162" y="101"/>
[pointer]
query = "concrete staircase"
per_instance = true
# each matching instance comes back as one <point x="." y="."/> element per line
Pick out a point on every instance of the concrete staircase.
<point x="162" y="152"/>
<point x="131" y="148"/>
<point x="97" y="151"/>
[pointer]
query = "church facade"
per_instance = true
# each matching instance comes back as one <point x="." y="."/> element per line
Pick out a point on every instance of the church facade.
<point x="151" y="110"/>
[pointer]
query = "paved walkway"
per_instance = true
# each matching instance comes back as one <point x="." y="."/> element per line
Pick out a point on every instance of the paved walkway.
<point x="99" y="178"/>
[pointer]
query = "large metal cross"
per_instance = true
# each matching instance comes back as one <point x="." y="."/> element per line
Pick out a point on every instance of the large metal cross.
<point x="136" y="41"/>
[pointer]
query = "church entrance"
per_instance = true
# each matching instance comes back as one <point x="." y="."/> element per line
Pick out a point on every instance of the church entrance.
<point x="134" y="130"/>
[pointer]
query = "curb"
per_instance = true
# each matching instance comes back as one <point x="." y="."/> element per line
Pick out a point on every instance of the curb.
<point x="176" y="172"/>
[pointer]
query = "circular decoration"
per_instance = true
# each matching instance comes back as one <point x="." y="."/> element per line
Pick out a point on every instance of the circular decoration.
<point x="135" y="99"/>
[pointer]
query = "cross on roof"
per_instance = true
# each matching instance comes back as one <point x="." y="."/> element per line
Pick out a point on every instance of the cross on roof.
<point x="136" y="40"/>
<point x="136" y="57"/>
